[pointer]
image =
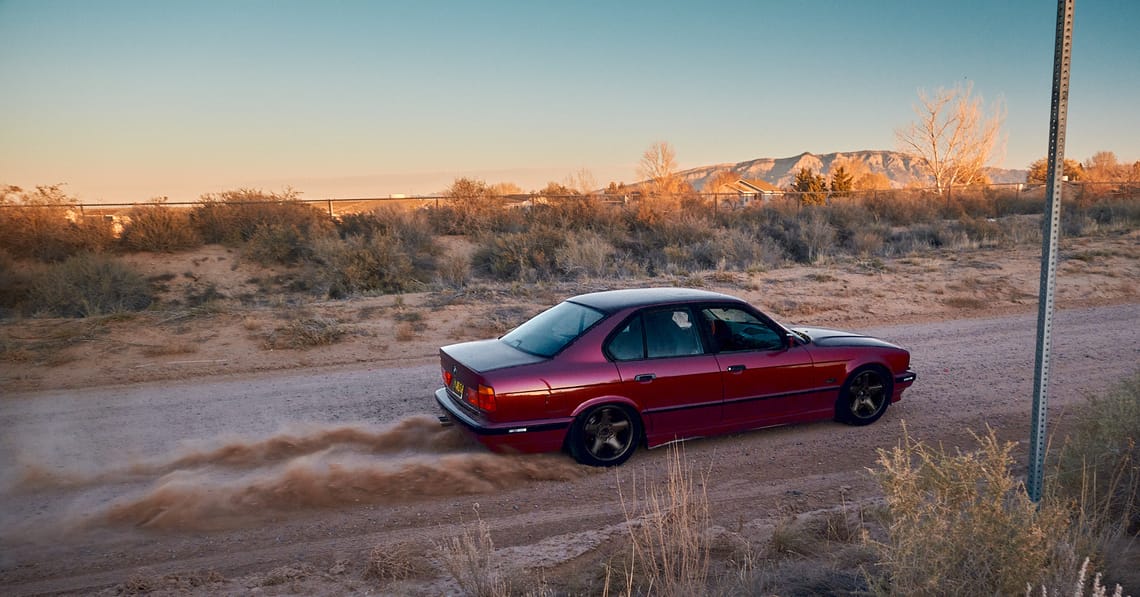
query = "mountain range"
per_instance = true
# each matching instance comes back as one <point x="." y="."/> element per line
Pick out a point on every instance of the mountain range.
<point x="900" y="168"/>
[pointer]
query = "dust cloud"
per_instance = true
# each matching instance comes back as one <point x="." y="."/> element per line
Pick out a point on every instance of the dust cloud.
<point x="419" y="433"/>
<point x="242" y="481"/>
<point x="195" y="500"/>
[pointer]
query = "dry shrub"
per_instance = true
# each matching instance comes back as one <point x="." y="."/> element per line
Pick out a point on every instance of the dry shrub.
<point x="234" y="217"/>
<point x="652" y="210"/>
<point x="818" y="234"/>
<point x="386" y="250"/>
<point x="473" y="208"/>
<point x="1096" y="473"/>
<point x="579" y="214"/>
<point x="525" y="256"/>
<point x="305" y="332"/>
<point x="46" y="225"/>
<point x="585" y="253"/>
<point x="87" y="285"/>
<point x="470" y="559"/>
<point x="960" y="524"/>
<point x="1115" y="214"/>
<point x="362" y="265"/>
<point x="14" y="281"/>
<point x="454" y="273"/>
<point x="156" y="227"/>
<point x="904" y="208"/>
<point x="670" y="542"/>
<point x="982" y="231"/>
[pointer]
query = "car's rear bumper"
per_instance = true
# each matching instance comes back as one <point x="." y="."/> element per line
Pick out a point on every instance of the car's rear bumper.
<point x="515" y="436"/>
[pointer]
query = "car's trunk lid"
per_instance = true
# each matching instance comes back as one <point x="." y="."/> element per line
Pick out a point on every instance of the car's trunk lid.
<point x="487" y="355"/>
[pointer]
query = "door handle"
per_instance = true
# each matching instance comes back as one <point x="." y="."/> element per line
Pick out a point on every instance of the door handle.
<point x="644" y="377"/>
<point x="735" y="368"/>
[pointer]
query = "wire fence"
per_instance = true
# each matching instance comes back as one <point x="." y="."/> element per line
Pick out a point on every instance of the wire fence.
<point x="337" y="207"/>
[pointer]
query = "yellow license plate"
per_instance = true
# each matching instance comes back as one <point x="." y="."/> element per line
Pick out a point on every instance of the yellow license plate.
<point x="457" y="387"/>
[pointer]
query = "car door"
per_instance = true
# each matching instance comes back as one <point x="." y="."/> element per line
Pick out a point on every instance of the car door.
<point x="767" y="378"/>
<point x="665" y="368"/>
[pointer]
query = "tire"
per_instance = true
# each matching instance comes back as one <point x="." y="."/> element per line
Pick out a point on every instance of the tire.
<point x="605" y="435"/>
<point x="864" y="396"/>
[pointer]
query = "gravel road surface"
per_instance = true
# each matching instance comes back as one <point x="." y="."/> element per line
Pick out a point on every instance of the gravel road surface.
<point x="245" y="474"/>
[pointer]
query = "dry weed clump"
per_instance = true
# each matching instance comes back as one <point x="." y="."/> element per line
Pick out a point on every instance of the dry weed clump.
<point x="669" y="534"/>
<point x="305" y="332"/>
<point x="960" y="524"/>
<point x="397" y="562"/>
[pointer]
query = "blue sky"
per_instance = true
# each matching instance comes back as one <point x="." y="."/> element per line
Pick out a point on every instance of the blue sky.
<point x="128" y="100"/>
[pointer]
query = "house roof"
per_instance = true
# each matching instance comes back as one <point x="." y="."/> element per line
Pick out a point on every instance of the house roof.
<point x="756" y="185"/>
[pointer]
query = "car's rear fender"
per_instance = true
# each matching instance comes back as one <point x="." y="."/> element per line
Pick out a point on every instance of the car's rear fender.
<point x="622" y="400"/>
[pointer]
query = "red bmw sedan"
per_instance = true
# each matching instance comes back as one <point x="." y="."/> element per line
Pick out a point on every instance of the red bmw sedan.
<point x="602" y="373"/>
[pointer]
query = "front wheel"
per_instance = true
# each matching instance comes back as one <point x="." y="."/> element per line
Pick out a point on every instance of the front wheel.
<point x="605" y="435"/>
<point x="864" y="397"/>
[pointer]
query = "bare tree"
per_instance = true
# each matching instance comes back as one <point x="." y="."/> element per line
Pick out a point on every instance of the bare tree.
<point x="658" y="167"/>
<point x="582" y="182"/>
<point x="721" y="182"/>
<point x="954" y="137"/>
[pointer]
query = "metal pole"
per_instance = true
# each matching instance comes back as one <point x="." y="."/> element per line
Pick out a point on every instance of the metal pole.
<point x="1057" y="116"/>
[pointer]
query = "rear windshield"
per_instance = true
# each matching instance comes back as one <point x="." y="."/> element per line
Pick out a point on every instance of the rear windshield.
<point x="550" y="331"/>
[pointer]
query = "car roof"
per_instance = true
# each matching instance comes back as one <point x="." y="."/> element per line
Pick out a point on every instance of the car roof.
<point x="614" y="300"/>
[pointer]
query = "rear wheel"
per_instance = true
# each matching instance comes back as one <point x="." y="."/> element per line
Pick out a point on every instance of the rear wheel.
<point x="864" y="397"/>
<point x="605" y="435"/>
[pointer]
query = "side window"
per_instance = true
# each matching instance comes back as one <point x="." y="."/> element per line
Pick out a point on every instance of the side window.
<point x="629" y="343"/>
<point x="671" y="333"/>
<point x="736" y="329"/>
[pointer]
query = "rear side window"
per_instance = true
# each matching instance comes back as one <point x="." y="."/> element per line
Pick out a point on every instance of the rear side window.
<point x="550" y="331"/>
<point x="629" y="343"/>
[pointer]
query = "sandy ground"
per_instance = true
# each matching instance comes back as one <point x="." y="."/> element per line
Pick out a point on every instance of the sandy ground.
<point x="184" y="450"/>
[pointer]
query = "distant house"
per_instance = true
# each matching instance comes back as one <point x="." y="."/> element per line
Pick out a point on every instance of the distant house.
<point x="750" y="189"/>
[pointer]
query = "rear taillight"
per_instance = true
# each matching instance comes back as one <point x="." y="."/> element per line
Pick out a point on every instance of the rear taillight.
<point x="482" y="398"/>
<point x="446" y="377"/>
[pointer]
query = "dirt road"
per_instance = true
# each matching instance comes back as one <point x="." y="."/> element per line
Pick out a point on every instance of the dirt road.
<point x="244" y="476"/>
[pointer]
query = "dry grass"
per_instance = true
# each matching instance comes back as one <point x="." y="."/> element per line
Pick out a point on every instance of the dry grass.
<point x="1096" y="474"/>
<point x="470" y="560"/>
<point x="669" y="539"/>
